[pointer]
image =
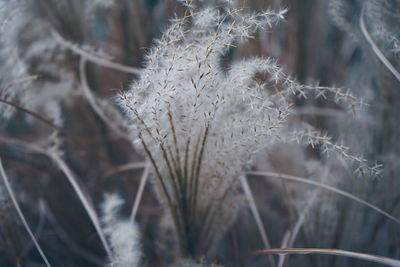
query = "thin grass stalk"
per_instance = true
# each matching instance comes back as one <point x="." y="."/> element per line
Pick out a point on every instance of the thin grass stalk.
<point x="84" y="200"/>
<point x="256" y="215"/>
<point x="126" y="167"/>
<point x="24" y="145"/>
<point x="66" y="239"/>
<point x="139" y="194"/>
<point x="147" y="129"/>
<point x="176" y="175"/>
<point x="90" y="98"/>
<point x="158" y="174"/>
<point x="208" y="210"/>
<point x="198" y="168"/>
<point x="325" y="187"/>
<point x="186" y="163"/>
<point x="68" y="173"/>
<point x="207" y="225"/>
<point x="192" y="173"/>
<point x="337" y="252"/>
<point x="22" y="80"/>
<point x="38" y="231"/>
<point x="171" y="172"/>
<point x="182" y="198"/>
<point x="175" y="213"/>
<point x="164" y="153"/>
<point x="284" y="244"/>
<point x="174" y="135"/>
<point x="21" y="215"/>
<point x="375" y="48"/>
<point x="95" y="59"/>
<point x="33" y="114"/>
<point x="194" y="181"/>
<point x="295" y="231"/>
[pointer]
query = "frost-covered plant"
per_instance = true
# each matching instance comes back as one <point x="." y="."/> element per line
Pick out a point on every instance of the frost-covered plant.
<point x="123" y="235"/>
<point x="201" y="124"/>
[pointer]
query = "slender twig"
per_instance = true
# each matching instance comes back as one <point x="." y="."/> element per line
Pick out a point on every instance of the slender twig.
<point x="338" y="252"/>
<point x="139" y="193"/>
<point x="326" y="187"/>
<point x="95" y="59"/>
<point x="83" y="198"/>
<point x="20" y="214"/>
<point x="375" y="48"/>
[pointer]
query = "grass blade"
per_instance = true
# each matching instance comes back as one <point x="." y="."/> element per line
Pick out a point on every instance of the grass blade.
<point x="337" y="252"/>
<point x="326" y="187"/>
<point x="256" y="215"/>
<point x="139" y="193"/>
<point x="376" y="49"/>
<point x="21" y="215"/>
<point x="84" y="200"/>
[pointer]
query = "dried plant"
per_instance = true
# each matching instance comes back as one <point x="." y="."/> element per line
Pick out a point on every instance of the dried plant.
<point x="210" y="122"/>
<point x="201" y="125"/>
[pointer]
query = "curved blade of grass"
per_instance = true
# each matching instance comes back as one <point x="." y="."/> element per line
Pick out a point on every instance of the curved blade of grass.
<point x="256" y="215"/>
<point x="84" y="200"/>
<point x="21" y="215"/>
<point x="92" y="101"/>
<point x="337" y="252"/>
<point x="71" y="179"/>
<point x="375" y="48"/>
<point x="33" y="114"/>
<point x="289" y="242"/>
<point x="326" y="187"/>
<point x="95" y="59"/>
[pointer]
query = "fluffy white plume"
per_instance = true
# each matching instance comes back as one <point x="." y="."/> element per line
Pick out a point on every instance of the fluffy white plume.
<point x="123" y="235"/>
<point x="201" y="124"/>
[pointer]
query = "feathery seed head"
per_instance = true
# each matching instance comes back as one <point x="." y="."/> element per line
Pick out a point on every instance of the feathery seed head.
<point x="199" y="124"/>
